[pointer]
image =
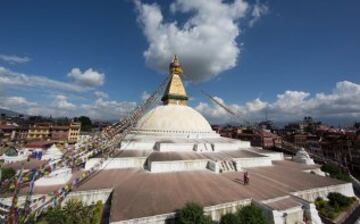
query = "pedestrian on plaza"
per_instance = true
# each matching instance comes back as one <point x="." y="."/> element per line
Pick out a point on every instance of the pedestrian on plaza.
<point x="246" y="178"/>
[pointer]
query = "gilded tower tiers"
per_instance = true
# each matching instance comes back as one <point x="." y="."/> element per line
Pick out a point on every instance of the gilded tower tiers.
<point x="175" y="92"/>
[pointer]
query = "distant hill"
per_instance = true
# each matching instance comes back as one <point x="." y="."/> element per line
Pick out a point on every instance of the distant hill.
<point x="8" y="112"/>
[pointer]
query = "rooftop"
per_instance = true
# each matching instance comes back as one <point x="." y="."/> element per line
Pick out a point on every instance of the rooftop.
<point x="27" y="165"/>
<point x="167" y="192"/>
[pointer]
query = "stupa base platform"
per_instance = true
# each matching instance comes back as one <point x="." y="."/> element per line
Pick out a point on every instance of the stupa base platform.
<point x="182" y="143"/>
<point x="170" y="161"/>
<point x="139" y="196"/>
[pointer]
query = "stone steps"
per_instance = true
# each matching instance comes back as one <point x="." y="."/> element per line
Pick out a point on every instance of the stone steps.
<point x="227" y="166"/>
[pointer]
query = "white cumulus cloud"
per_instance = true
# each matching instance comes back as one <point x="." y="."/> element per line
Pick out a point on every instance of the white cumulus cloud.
<point x="9" y="78"/>
<point x="61" y="102"/>
<point x="108" y="109"/>
<point x="216" y="113"/>
<point x="290" y="102"/>
<point x="88" y="78"/>
<point x="100" y="94"/>
<point x="13" y="59"/>
<point x="258" y="10"/>
<point x="205" y="42"/>
<point x="342" y="102"/>
<point x="15" y="102"/>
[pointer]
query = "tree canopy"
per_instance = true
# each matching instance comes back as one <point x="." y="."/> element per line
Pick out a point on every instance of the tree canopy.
<point x="86" y="123"/>
<point x="193" y="213"/>
<point x="7" y="173"/>
<point x="74" y="212"/>
<point x="230" y="219"/>
<point x="251" y="215"/>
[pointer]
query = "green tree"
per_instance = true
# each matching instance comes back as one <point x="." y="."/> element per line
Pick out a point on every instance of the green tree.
<point x="338" y="200"/>
<point x="335" y="172"/>
<point x="74" y="212"/>
<point x="7" y="173"/>
<point x="251" y="215"/>
<point x="86" y="123"/>
<point x="334" y="206"/>
<point x="193" y="213"/>
<point x="97" y="212"/>
<point x="55" y="216"/>
<point x="357" y="125"/>
<point x="230" y="219"/>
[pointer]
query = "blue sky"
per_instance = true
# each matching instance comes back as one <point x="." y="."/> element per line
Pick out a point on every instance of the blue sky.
<point x="270" y="56"/>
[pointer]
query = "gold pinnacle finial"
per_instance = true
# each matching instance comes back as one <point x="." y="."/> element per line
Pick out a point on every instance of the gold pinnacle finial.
<point x="175" y="92"/>
<point x="175" y="60"/>
<point x="175" y="67"/>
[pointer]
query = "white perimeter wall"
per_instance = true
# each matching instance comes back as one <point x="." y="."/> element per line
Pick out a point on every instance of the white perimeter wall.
<point x="215" y="212"/>
<point x="89" y="197"/>
<point x="178" y="165"/>
<point x="117" y="163"/>
<point x="311" y="194"/>
<point x="252" y="162"/>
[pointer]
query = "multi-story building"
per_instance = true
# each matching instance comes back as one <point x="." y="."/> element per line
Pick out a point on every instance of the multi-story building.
<point x="262" y="138"/>
<point x="313" y="144"/>
<point x="59" y="133"/>
<point x="7" y="133"/>
<point x="299" y="139"/>
<point x="20" y="131"/>
<point x="265" y="139"/>
<point x="74" y="132"/>
<point x="245" y="134"/>
<point x="294" y="128"/>
<point x="342" y="147"/>
<point x="355" y="154"/>
<point x="39" y="132"/>
<point x="12" y="132"/>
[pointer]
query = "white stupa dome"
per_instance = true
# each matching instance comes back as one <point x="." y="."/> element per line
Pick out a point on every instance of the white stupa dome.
<point x="52" y="153"/>
<point x="174" y="126"/>
<point x="303" y="157"/>
<point x="173" y="119"/>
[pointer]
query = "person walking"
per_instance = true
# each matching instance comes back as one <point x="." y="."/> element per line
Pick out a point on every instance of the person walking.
<point x="246" y="178"/>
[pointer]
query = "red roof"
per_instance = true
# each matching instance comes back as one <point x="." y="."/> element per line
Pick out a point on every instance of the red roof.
<point x="39" y="144"/>
<point x="7" y="127"/>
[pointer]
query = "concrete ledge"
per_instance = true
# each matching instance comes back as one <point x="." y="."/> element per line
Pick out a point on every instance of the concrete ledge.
<point x="215" y="212"/>
<point x="89" y="197"/>
<point x="273" y="155"/>
<point x="178" y="165"/>
<point x="174" y="147"/>
<point x="135" y="145"/>
<point x="168" y="218"/>
<point x="117" y="163"/>
<point x="311" y="194"/>
<point x="57" y="177"/>
<point x="252" y="162"/>
<point x="230" y="146"/>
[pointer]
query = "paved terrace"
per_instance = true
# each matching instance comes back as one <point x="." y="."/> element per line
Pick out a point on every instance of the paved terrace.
<point x="172" y="156"/>
<point x="284" y="204"/>
<point x="138" y="193"/>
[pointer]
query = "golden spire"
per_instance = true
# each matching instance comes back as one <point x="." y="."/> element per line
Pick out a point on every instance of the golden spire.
<point x="175" y="67"/>
<point x="175" y="92"/>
